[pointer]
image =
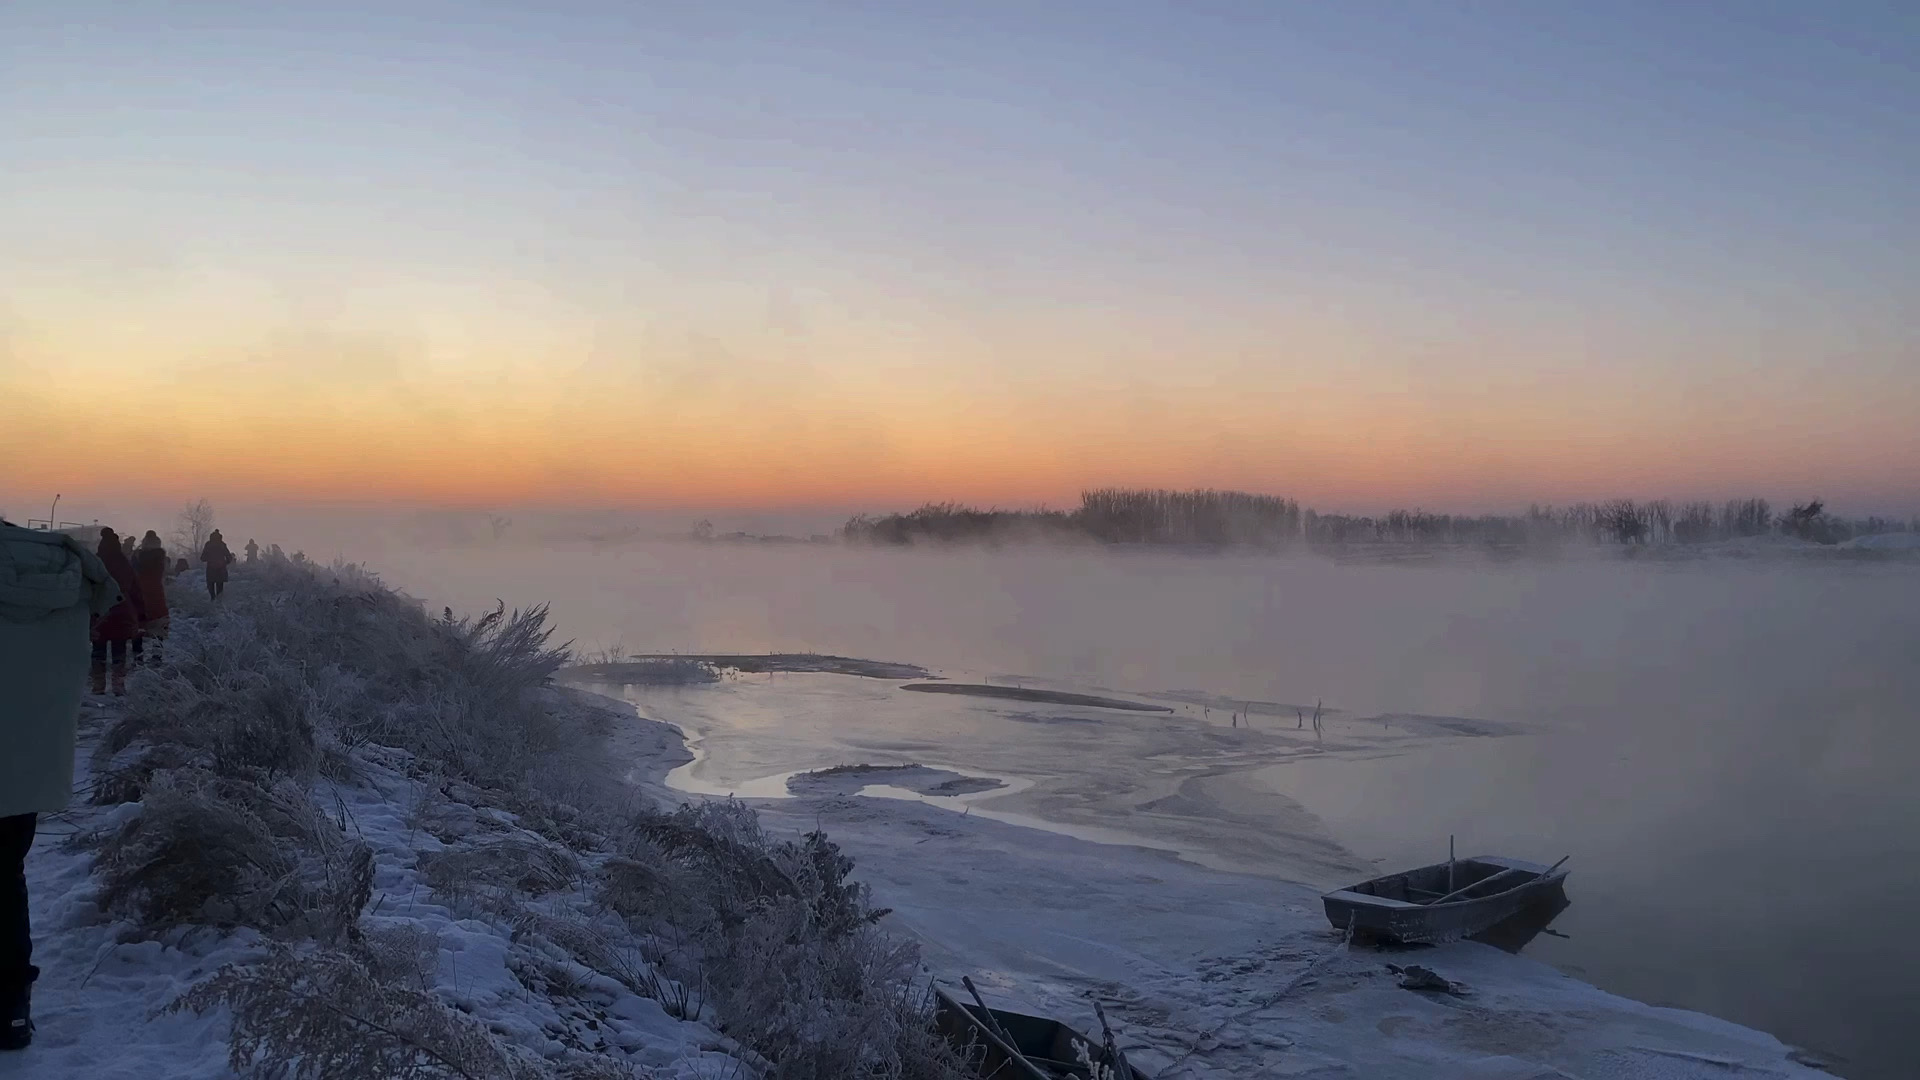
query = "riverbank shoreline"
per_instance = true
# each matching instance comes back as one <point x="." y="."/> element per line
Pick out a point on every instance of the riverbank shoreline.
<point x="1188" y="959"/>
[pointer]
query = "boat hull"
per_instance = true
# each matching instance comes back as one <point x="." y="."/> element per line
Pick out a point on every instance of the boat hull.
<point x="1391" y="908"/>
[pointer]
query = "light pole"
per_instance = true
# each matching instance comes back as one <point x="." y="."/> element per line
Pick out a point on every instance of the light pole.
<point x="53" y="517"/>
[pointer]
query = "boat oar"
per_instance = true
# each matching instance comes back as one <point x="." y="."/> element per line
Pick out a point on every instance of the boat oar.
<point x="1115" y="1057"/>
<point x="993" y="1024"/>
<point x="1495" y="877"/>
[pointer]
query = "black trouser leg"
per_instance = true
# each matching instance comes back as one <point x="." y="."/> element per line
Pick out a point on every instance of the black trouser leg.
<point x="16" y="939"/>
<point x="99" y="670"/>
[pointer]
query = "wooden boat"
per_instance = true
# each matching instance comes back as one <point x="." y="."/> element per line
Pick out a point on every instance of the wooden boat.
<point x="1444" y="902"/>
<point x="1046" y="1045"/>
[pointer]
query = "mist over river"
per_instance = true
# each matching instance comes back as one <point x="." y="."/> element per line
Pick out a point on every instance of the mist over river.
<point x="1726" y="748"/>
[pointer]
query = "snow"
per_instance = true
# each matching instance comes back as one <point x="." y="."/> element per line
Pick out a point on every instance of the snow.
<point x="100" y="1002"/>
<point x="1194" y="957"/>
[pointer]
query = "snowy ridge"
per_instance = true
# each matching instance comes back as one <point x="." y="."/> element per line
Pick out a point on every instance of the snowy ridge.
<point x="337" y="837"/>
<point x="100" y="1004"/>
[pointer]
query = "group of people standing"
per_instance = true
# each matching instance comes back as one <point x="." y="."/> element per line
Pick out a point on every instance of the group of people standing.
<point x="137" y="623"/>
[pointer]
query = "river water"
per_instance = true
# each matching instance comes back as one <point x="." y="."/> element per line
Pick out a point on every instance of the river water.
<point x="1726" y="749"/>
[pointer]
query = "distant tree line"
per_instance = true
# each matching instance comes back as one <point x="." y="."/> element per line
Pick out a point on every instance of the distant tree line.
<point x="1209" y="518"/>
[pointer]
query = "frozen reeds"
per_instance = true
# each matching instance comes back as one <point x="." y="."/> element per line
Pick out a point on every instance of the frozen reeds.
<point x="306" y="677"/>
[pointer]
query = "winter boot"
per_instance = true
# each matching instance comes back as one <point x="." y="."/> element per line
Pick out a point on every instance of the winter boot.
<point x="119" y="678"/>
<point x="16" y="1014"/>
<point x="99" y="674"/>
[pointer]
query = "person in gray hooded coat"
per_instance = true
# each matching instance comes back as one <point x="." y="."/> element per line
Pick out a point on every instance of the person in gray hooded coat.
<point x="51" y="590"/>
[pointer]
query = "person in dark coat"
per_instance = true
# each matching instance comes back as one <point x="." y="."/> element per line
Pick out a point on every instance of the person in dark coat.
<point x="253" y="552"/>
<point x="121" y="623"/>
<point x="216" y="557"/>
<point x="150" y="573"/>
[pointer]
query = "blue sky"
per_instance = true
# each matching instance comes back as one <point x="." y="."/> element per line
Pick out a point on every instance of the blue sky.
<point x="1630" y="216"/>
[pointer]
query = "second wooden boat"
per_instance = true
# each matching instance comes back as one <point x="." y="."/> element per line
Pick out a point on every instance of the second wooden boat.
<point x="1035" y="1047"/>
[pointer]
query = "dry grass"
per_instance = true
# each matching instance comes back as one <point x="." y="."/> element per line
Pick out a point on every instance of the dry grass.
<point x="227" y="851"/>
<point x="319" y="1014"/>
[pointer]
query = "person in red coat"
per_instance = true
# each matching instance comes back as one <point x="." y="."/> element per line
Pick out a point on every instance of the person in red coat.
<point x="121" y="623"/>
<point x="150" y="573"/>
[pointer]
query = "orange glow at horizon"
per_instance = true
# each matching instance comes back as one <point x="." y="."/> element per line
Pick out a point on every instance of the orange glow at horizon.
<point x="428" y="395"/>
<point x="381" y="435"/>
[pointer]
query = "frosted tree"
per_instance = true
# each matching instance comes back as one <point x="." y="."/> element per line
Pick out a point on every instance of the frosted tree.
<point x="192" y="527"/>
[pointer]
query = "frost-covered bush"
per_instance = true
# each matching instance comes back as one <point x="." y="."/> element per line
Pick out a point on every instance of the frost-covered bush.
<point x="303" y="672"/>
<point x="786" y="945"/>
<point x="501" y="868"/>
<point x="301" y="665"/>
<point x="820" y="1005"/>
<point x="231" y="851"/>
<point x="232" y="700"/>
<point x="317" y="1014"/>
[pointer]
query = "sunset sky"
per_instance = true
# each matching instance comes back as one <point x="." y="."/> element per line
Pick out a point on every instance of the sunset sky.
<point x="863" y="255"/>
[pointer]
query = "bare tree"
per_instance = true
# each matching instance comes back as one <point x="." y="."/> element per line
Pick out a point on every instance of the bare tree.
<point x="499" y="525"/>
<point x="1625" y="521"/>
<point x="191" y="530"/>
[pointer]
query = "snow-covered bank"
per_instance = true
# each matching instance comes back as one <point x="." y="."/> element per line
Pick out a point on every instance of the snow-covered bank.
<point x="103" y="1004"/>
<point x="336" y="837"/>
<point x="1201" y="967"/>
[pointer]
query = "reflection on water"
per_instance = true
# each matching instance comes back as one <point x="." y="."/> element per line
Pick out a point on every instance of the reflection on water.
<point x="1518" y="932"/>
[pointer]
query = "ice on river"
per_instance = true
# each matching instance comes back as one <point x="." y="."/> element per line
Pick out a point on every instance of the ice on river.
<point x="1138" y="858"/>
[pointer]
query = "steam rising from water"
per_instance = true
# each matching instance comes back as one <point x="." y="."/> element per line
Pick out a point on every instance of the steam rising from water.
<point x="1726" y="748"/>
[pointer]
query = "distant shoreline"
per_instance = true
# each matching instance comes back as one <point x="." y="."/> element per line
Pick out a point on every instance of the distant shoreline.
<point x="1209" y="519"/>
<point x="1021" y="693"/>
